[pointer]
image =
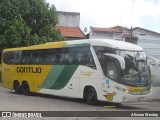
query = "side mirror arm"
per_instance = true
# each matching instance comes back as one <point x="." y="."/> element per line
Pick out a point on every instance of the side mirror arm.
<point x="155" y="61"/>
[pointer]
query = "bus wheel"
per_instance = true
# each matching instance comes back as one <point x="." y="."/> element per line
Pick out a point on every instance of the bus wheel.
<point x="17" y="87"/>
<point x="25" y="88"/>
<point x="91" y="96"/>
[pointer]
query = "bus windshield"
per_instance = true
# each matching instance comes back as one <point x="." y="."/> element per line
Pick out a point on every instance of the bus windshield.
<point x="137" y="70"/>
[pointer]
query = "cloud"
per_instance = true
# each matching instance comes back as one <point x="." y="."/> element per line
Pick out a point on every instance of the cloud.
<point x="148" y="13"/>
<point x="107" y="13"/>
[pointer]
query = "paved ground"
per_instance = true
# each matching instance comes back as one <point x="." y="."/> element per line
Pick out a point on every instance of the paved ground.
<point x="9" y="101"/>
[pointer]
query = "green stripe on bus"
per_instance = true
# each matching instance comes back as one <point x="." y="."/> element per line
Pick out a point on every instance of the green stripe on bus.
<point x="52" y="76"/>
<point x="76" y="45"/>
<point x="59" y="76"/>
<point x="64" y="77"/>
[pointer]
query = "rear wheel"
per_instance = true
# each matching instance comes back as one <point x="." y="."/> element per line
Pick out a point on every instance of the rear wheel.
<point x="91" y="96"/>
<point x="25" y="88"/>
<point x="17" y="87"/>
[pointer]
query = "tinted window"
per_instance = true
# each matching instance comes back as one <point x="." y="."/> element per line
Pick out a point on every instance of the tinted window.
<point x="26" y="57"/>
<point x="83" y="56"/>
<point x="66" y="56"/>
<point x="37" y="56"/>
<point x="50" y="56"/>
<point x="8" y="57"/>
<point x="100" y="50"/>
<point x="0" y="56"/>
<point x="60" y="56"/>
<point x="17" y="57"/>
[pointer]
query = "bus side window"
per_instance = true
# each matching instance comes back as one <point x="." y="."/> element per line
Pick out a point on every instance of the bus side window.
<point x="66" y="56"/>
<point x="50" y="56"/>
<point x="17" y="57"/>
<point x="8" y="57"/>
<point x="26" y="57"/>
<point x="83" y="56"/>
<point x="100" y="50"/>
<point x="37" y="56"/>
<point x="71" y="55"/>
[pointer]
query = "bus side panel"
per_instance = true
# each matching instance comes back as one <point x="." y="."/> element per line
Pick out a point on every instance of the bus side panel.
<point x="89" y="77"/>
<point x="77" y="77"/>
<point x="61" y="81"/>
<point x="33" y="74"/>
<point x="8" y="76"/>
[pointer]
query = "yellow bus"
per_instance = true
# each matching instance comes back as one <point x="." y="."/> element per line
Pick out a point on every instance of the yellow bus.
<point x="94" y="69"/>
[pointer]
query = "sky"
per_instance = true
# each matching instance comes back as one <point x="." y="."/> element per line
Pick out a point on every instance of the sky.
<point x="109" y="13"/>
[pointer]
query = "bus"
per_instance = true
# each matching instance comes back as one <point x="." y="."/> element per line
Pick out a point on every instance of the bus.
<point x="90" y="69"/>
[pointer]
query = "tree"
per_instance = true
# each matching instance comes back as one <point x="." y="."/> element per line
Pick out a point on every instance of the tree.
<point x="27" y="22"/>
<point x="15" y="33"/>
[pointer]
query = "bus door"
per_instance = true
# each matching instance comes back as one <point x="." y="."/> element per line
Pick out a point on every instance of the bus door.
<point x="111" y="71"/>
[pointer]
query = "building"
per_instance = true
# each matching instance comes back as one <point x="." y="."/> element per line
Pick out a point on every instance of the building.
<point x="69" y="25"/>
<point x="128" y="35"/>
<point x="115" y="33"/>
<point x="111" y="33"/>
<point x="71" y="33"/>
<point x="148" y="40"/>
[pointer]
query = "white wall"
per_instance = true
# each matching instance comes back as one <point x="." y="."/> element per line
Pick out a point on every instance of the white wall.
<point x="151" y="49"/>
<point x="69" y="19"/>
<point x="149" y="41"/>
<point x="104" y="35"/>
<point x="100" y="35"/>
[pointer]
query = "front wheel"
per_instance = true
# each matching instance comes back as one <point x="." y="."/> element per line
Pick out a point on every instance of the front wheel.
<point x="91" y="96"/>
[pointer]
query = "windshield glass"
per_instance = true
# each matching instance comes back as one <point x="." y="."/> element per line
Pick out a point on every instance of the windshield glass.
<point x="136" y="72"/>
<point x="137" y="69"/>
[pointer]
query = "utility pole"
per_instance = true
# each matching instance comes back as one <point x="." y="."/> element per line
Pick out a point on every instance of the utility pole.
<point x="131" y="34"/>
<point x="132" y="22"/>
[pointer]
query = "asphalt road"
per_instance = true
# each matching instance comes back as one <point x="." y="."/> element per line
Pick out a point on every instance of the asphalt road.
<point x="9" y="101"/>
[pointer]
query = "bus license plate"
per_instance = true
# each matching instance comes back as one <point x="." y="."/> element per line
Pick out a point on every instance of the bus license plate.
<point x="141" y="98"/>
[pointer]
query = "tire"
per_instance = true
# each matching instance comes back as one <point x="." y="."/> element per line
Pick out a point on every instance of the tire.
<point x="91" y="96"/>
<point x="25" y="88"/>
<point x="17" y="87"/>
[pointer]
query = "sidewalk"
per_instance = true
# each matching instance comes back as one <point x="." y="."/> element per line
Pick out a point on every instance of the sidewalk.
<point x="155" y="95"/>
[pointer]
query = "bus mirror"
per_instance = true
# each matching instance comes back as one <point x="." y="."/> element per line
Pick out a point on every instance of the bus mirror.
<point x="119" y="58"/>
<point x="154" y="61"/>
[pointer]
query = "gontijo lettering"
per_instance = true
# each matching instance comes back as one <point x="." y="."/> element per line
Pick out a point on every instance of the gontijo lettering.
<point x="29" y="70"/>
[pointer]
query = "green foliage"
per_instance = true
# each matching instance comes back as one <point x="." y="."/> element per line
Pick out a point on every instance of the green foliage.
<point x="27" y="22"/>
<point x="15" y="33"/>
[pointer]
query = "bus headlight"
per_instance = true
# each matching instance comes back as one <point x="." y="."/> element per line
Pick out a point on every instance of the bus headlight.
<point x="126" y="91"/>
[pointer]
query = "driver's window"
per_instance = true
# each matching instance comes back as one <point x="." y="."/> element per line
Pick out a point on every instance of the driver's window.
<point x="111" y="70"/>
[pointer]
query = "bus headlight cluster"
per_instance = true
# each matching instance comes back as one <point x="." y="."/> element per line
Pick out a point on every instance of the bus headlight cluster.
<point x="122" y="89"/>
<point x="126" y="91"/>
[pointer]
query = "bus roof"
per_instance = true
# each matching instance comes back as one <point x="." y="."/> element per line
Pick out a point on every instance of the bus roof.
<point x="108" y="43"/>
<point x="94" y="42"/>
<point x="116" y="44"/>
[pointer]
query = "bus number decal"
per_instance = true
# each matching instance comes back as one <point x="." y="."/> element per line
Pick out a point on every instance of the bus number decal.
<point x="6" y="69"/>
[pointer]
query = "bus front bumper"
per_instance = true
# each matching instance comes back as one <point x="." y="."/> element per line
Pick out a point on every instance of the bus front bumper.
<point x="134" y="98"/>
